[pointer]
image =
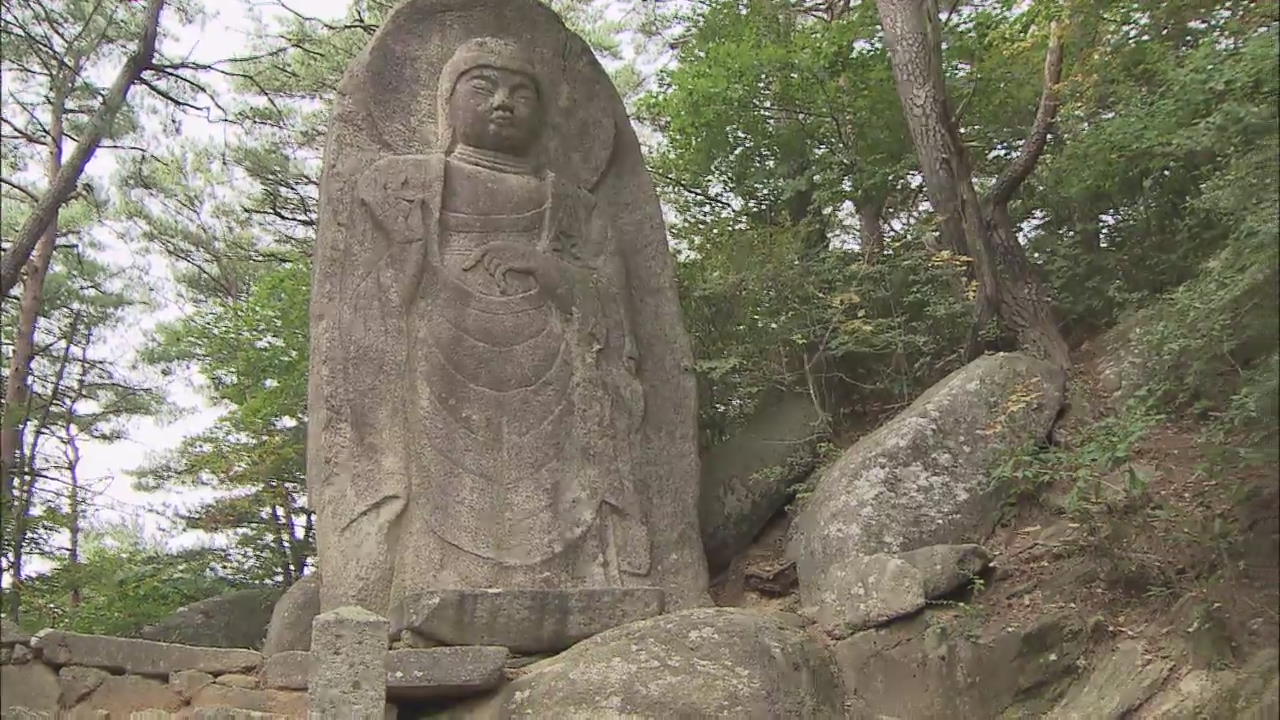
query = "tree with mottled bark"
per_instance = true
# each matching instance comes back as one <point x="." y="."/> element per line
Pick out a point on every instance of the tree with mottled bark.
<point x="979" y="227"/>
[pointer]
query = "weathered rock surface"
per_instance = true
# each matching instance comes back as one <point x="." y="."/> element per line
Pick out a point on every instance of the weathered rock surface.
<point x="867" y="591"/>
<point x="703" y="663"/>
<point x="525" y="621"/>
<point x="33" y="686"/>
<point x="947" y="568"/>
<point x="928" y="668"/>
<point x="236" y="619"/>
<point x="1118" y="685"/>
<point x="749" y="477"/>
<point x="237" y="680"/>
<point x="922" y="478"/>
<point x="77" y="682"/>
<point x="288" y="670"/>
<point x="11" y="634"/>
<point x="291" y="618"/>
<point x="17" y="712"/>
<point x="17" y="654"/>
<point x="349" y="645"/>
<point x="188" y="682"/>
<point x="226" y="713"/>
<point x="141" y="657"/>
<point x="121" y="695"/>
<point x="279" y="702"/>
<point x="444" y="672"/>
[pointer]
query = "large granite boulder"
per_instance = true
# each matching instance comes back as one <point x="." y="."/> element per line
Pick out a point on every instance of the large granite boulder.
<point x="702" y="663"/>
<point x="749" y="476"/>
<point x="924" y="478"/>
<point x="290" y="625"/>
<point x="236" y="619"/>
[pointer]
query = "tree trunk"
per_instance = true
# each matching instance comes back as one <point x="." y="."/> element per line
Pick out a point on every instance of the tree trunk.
<point x="75" y="506"/>
<point x="283" y="556"/>
<point x="27" y="461"/>
<point x="1008" y="286"/>
<point x="1025" y="306"/>
<point x="871" y="230"/>
<point x="73" y="512"/>
<point x="16" y="390"/>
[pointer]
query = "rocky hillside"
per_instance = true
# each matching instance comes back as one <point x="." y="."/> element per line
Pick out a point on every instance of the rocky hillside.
<point x="1134" y="567"/>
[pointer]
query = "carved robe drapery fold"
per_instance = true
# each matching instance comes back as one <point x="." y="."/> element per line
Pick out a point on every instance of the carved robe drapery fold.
<point x="522" y="411"/>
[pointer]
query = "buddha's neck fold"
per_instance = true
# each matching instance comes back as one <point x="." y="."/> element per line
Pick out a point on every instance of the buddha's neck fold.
<point x="492" y="160"/>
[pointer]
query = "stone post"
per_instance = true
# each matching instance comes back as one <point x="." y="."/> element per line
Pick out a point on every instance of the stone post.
<point x="349" y="645"/>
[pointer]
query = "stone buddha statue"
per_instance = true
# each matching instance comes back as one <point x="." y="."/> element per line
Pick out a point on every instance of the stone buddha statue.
<point x="500" y="395"/>
<point x="519" y="386"/>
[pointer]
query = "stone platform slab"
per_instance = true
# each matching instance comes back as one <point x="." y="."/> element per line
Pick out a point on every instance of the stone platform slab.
<point x="526" y="621"/>
<point x="140" y="657"/>
<point x="412" y="674"/>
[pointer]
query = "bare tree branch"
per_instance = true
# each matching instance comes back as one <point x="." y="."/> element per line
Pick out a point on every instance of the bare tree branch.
<point x="20" y="188"/>
<point x="1025" y="161"/>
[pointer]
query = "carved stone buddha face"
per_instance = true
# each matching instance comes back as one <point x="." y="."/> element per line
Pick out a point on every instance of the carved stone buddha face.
<point x="496" y="109"/>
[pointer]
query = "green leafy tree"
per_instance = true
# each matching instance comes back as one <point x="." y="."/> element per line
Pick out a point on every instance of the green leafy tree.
<point x="56" y="113"/>
<point x="794" y="210"/>
<point x="77" y="392"/>
<point x="252" y="350"/>
<point x="126" y="581"/>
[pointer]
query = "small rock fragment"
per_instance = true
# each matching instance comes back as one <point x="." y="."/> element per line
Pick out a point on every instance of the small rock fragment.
<point x="947" y="568"/>
<point x="76" y="682"/>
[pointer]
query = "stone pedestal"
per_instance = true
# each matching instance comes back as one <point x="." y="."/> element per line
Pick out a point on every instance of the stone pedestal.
<point x="349" y="645"/>
<point x="524" y="621"/>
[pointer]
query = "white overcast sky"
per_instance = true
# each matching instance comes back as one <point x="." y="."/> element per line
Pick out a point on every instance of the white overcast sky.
<point x="107" y="465"/>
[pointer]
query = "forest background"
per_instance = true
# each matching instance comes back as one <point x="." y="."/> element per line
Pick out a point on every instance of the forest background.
<point x="1075" y="165"/>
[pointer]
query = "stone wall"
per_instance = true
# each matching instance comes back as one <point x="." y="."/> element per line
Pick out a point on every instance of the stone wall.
<point x="61" y="674"/>
<point x="68" y="675"/>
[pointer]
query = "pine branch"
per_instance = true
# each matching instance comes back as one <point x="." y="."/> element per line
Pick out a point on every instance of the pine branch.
<point x="65" y="182"/>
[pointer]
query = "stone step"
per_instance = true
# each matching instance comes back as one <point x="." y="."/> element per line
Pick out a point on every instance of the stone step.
<point x="414" y="674"/>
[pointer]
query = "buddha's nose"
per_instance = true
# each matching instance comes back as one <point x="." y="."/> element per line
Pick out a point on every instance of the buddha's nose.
<point x="502" y="102"/>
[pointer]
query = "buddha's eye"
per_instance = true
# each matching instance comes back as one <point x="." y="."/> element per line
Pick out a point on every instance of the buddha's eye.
<point x="482" y="85"/>
<point x="524" y="96"/>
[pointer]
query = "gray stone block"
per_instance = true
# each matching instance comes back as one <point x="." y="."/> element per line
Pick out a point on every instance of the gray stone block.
<point x="350" y="678"/>
<point x="525" y="621"/>
<point x="444" y="672"/>
<point x="288" y="670"/>
<point x="141" y="657"/>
